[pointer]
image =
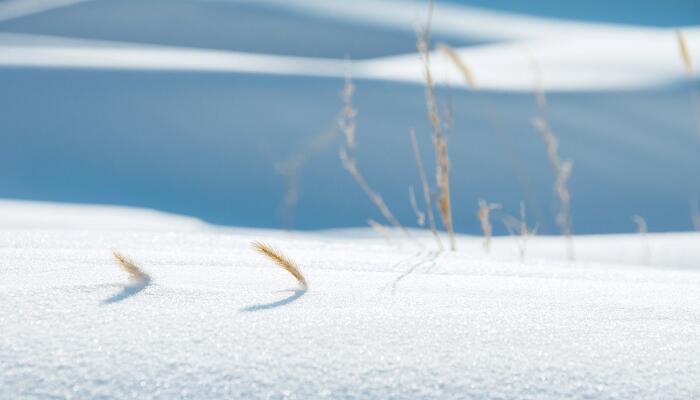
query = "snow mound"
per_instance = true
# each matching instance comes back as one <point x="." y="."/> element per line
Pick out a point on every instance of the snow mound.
<point x="379" y="321"/>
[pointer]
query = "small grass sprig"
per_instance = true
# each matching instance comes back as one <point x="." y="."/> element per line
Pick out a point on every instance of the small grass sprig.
<point x="282" y="261"/>
<point x="135" y="273"/>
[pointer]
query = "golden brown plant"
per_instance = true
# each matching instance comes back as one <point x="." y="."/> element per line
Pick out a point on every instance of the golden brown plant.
<point x="135" y="273"/>
<point x="426" y="188"/>
<point x="439" y="141"/>
<point x="281" y="260"/>
<point x="483" y="214"/>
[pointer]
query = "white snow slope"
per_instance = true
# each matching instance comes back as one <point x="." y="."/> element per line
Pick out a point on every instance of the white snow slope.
<point x="379" y="321"/>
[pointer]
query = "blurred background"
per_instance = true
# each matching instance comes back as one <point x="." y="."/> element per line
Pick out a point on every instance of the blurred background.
<point x="228" y="110"/>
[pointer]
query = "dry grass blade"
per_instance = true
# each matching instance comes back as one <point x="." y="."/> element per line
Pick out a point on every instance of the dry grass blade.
<point x="443" y="165"/>
<point x="135" y="273"/>
<point x="426" y="188"/>
<point x="349" y="162"/>
<point x="281" y="260"/>
<point x="459" y="63"/>
<point x="685" y="53"/>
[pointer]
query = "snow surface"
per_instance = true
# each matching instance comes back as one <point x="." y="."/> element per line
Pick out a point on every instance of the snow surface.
<point x="379" y="320"/>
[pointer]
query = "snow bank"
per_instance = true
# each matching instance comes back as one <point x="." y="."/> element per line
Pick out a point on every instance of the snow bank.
<point x="218" y="321"/>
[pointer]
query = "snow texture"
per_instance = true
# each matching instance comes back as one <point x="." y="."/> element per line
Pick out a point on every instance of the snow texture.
<point x="379" y="321"/>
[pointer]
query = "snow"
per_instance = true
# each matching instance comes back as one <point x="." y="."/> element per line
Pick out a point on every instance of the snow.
<point x="571" y="56"/>
<point x="379" y="321"/>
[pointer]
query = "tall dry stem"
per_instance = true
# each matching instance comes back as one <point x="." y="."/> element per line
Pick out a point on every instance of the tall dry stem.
<point x="426" y="188"/>
<point x="562" y="170"/>
<point x="347" y="155"/>
<point x="439" y="141"/>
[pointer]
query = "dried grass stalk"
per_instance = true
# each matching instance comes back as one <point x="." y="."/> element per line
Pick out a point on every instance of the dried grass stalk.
<point x="281" y="260"/>
<point x="440" y="143"/>
<point x="349" y="162"/>
<point x="426" y="188"/>
<point x="562" y="169"/>
<point x="135" y="273"/>
<point x="483" y="214"/>
<point x="642" y="231"/>
<point x="459" y="63"/>
<point x="685" y="53"/>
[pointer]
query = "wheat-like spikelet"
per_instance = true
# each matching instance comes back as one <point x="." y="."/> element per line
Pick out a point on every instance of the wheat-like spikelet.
<point x="440" y="143"/>
<point x="685" y="53"/>
<point x="483" y="214"/>
<point x="459" y="63"/>
<point x="281" y="260"/>
<point x="135" y="273"/>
